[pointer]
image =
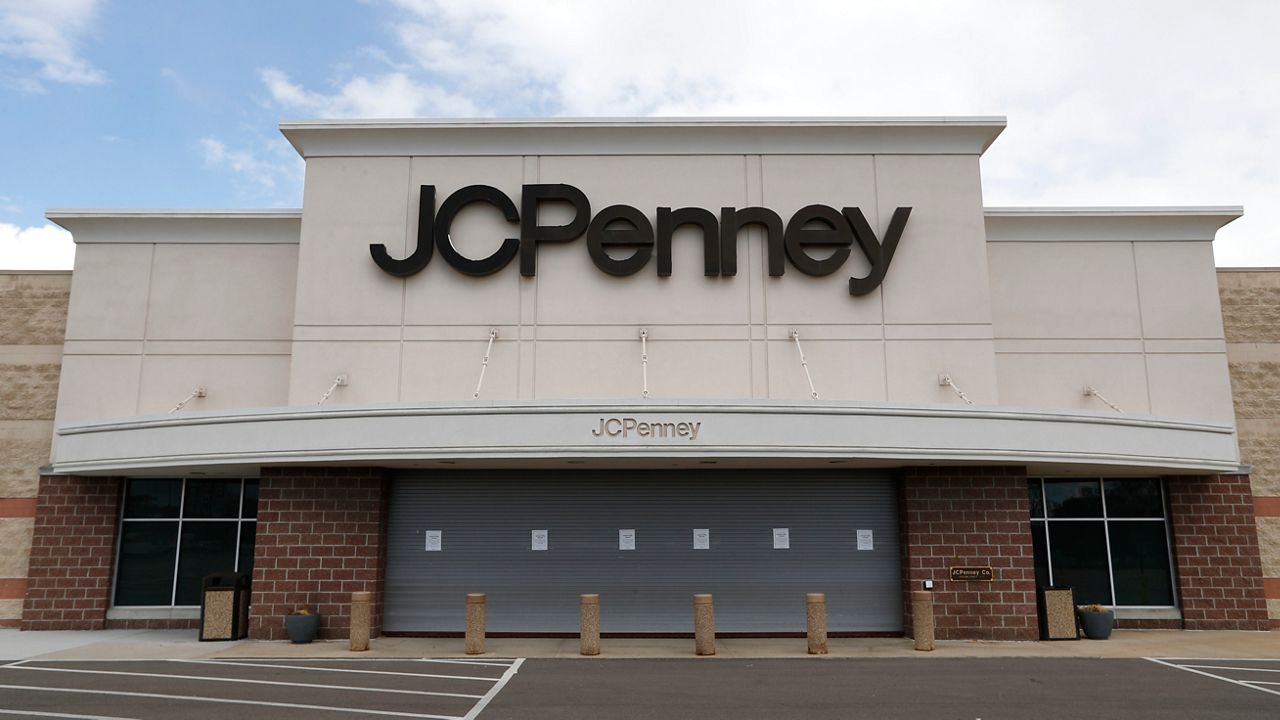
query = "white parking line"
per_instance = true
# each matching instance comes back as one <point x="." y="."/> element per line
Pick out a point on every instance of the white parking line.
<point x="1241" y="683"/>
<point x="61" y="715"/>
<point x="493" y="691"/>
<point x="464" y="662"/>
<point x="341" y="670"/>
<point x="245" y="680"/>
<point x="231" y="701"/>
<point x="1224" y="667"/>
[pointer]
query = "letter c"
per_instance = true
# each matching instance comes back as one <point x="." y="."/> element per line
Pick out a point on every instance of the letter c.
<point x="444" y="220"/>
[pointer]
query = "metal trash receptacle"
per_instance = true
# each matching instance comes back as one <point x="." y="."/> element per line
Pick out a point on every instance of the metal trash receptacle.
<point x="224" y="606"/>
<point x="1057" y="606"/>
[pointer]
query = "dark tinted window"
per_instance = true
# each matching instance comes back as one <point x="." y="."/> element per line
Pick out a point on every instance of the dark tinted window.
<point x="1036" y="498"/>
<point x="1041" y="553"/>
<point x="212" y="499"/>
<point x="145" y="574"/>
<point x="250" y="509"/>
<point x="1080" y="559"/>
<point x="1073" y="498"/>
<point x="207" y="547"/>
<point x="1140" y="563"/>
<point x="152" y="498"/>
<point x="247" y="531"/>
<point x="1134" y="498"/>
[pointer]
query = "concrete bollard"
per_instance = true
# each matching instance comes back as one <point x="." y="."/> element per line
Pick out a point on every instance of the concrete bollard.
<point x="589" y="633"/>
<point x="922" y="619"/>
<point x="361" y="615"/>
<point x="815" y="611"/>
<point x="704" y="625"/>
<point x="475" y="624"/>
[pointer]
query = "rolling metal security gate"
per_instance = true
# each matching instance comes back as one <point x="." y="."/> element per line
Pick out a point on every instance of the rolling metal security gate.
<point x="486" y="519"/>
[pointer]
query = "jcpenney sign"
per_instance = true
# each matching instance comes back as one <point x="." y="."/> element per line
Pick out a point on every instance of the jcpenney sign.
<point x="622" y="240"/>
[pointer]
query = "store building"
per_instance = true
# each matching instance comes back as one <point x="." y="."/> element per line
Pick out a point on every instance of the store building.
<point x="648" y="358"/>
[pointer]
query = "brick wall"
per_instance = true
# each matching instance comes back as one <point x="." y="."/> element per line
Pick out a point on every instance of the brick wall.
<point x="321" y="536"/>
<point x="1215" y="546"/>
<point x="72" y="553"/>
<point x="972" y="516"/>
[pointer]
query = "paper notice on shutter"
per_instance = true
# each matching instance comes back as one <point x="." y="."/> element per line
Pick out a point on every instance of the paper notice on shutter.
<point x="434" y="541"/>
<point x="627" y="539"/>
<point x="865" y="541"/>
<point x="701" y="539"/>
<point x="539" y="539"/>
<point x="782" y="538"/>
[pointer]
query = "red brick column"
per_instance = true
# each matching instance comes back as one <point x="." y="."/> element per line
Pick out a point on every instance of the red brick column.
<point x="72" y="553"/>
<point x="321" y="536"/>
<point x="1215" y="548"/>
<point x="970" y="516"/>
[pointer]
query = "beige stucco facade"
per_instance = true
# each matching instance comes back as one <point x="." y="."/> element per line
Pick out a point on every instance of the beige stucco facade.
<point x="1251" y="316"/>
<point x="33" y="312"/>
<point x="1021" y="308"/>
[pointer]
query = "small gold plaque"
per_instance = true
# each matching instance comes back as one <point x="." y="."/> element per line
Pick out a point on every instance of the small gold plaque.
<point x="981" y="574"/>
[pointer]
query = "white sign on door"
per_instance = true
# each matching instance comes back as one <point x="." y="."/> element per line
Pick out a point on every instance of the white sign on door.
<point x="782" y="538"/>
<point x="702" y="539"/>
<point x="539" y="539"/>
<point x="627" y="539"/>
<point x="434" y="541"/>
<point x="865" y="541"/>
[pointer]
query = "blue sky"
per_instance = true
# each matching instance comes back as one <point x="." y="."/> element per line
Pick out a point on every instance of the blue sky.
<point x="118" y="104"/>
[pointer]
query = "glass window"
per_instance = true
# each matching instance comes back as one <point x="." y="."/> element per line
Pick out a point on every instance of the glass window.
<point x="207" y="547"/>
<point x="1134" y="499"/>
<point x="145" y="573"/>
<point x="1036" y="497"/>
<point x="1080" y="559"/>
<point x="1041" y="552"/>
<point x="1106" y="538"/>
<point x="1140" y="563"/>
<point x="1073" y="498"/>
<point x="164" y="556"/>
<point x="212" y="499"/>
<point x="152" y="498"/>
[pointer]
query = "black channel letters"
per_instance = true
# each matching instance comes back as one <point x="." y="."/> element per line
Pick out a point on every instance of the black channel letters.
<point x="625" y="229"/>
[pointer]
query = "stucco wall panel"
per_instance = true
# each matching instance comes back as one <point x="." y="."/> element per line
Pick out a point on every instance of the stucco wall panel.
<point x="1058" y="380"/>
<point x="1190" y="386"/>
<point x="251" y="285"/>
<point x="1036" y="290"/>
<point x="352" y="203"/>
<point x="372" y="369"/>
<point x="109" y="292"/>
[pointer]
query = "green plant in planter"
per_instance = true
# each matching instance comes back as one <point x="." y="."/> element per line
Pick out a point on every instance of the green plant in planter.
<point x="1096" y="621"/>
<point x="301" y="624"/>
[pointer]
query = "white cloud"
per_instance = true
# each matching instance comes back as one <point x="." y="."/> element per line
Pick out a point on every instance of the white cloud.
<point x="1161" y="102"/>
<point x="35" y="248"/>
<point x="393" y="94"/>
<point x="272" y="177"/>
<point x="46" y="34"/>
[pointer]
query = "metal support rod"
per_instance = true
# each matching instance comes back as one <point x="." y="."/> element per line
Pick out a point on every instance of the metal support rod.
<point x="1090" y="391"/>
<point x="795" y="335"/>
<point x="945" y="381"/>
<point x="484" y="364"/>
<point x="198" y="392"/>
<point x="644" y="361"/>
<point x="339" y="381"/>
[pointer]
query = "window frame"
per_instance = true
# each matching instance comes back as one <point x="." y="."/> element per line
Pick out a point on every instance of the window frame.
<point x="240" y="519"/>
<point x="1106" y="521"/>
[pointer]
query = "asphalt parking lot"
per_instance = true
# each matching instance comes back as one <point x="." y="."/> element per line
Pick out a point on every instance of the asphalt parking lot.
<point x="708" y="689"/>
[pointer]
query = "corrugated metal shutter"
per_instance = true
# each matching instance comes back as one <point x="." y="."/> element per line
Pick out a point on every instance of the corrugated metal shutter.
<point x="486" y="519"/>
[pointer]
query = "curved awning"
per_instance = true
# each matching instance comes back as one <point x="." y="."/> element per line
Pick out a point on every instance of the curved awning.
<point x="646" y="434"/>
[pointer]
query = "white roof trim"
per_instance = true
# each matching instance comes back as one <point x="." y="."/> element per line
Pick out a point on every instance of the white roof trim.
<point x="642" y="136"/>
<point x="158" y="214"/>
<point x="1191" y="223"/>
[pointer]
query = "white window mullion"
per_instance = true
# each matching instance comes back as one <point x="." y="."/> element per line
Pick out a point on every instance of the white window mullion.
<point x="177" y="551"/>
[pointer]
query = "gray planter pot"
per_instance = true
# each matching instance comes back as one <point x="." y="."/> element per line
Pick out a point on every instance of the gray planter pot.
<point x="1097" y="625"/>
<point x="302" y="628"/>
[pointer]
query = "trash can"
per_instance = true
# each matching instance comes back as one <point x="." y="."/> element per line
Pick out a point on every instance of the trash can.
<point x="1057" y="606"/>
<point x="224" y="606"/>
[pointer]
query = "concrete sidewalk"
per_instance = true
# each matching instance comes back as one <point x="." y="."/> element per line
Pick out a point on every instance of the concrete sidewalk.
<point x="182" y="644"/>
